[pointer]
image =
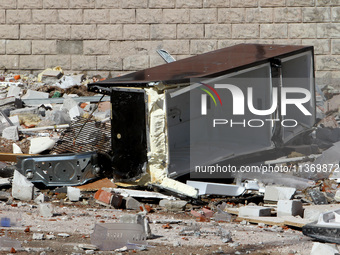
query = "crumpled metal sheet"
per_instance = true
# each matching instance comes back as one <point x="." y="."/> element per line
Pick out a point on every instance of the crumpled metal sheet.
<point x="59" y="170"/>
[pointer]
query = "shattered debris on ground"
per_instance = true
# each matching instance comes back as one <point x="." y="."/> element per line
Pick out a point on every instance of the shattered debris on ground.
<point x="258" y="214"/>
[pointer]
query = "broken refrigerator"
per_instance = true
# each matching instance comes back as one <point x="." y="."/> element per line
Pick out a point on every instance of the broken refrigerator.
<point x="194" y="115"/>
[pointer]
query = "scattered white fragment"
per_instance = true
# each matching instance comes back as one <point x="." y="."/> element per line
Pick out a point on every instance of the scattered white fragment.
<point x="32" y="94"/>
<point x="289" y="208"/>
<point x="15" y="120"/>
<point x="16" y="149"/>
<point x="254" y="211"/>
<point x="40" y="199"/>
<point x="11" y="133"/>
<point x="275" y="193"/>
<point x="124" y="248"/>
<point x="46" y="209"/>
<point x="41" y="144"/>
<point x="75" y="111"/>
<point x="14" y="91"/>
<point x="38" y="236"/>
<point x="324" y="249"/>
<point x="73" y="194"/>
<point x="64" y="235"/>
<point x="22" y="189"/>
<point x="86" y="246"/>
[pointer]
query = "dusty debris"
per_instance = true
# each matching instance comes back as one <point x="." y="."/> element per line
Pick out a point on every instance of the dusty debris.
<point x="208" y="188"/>
<point x="173" y="205"/>
<point x="73" y="194"/>
<point x="41" y="199"/>
<point x="61" y="117"/>
<point x="317" y="196"/>
<point x="46" y="209"/>
<point x="117" y="235"/>
<point x="254" y="211"/>
<point x="275" y="193"/>
<point x="88" y="247"/>
<point x="38" y="236"/>
<point x="41" y="144"/>
<point x="64" y="235"/>
<point x="11" y="133"/>
<point x="289" y="208"/>
<point x="22" y="189"/>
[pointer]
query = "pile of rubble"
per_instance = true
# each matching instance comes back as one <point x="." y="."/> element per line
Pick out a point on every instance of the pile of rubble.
<point x="32" y="107"/>
<point x="35" y="110"/>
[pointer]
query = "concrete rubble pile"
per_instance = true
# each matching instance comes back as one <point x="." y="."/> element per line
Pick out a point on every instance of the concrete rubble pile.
<point x="34" y="110"/>
<point x="44" y="103"/>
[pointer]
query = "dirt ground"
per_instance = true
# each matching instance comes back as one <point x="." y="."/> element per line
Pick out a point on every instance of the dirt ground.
<point x="78" y="219"/>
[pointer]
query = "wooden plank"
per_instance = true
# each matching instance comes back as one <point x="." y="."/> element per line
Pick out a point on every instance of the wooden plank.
<point x="279" y="221"/>
<point x="295" y="222"/>
<point x="232" y="210"/>
<point x="94" y="186"/>
<point x="235" y="210"/>
<point x="12" y="157"/>
<point x="266" y="220"/>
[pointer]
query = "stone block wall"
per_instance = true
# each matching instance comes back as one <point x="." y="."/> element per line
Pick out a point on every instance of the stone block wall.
<point x="111" y="37"/>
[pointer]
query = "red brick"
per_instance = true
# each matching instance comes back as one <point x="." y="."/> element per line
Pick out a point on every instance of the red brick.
<point x="207" y="213"/>
<point x="103" y="196"/>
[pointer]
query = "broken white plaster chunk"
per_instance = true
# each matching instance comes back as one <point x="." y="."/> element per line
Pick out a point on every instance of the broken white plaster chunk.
<point x="324" y="249"/>
<point x="313" y="212"/>
<point x="179" y="187"/>
<point x="101" y="115"/>
<point x="50" y="237"/>
<point x="68" y="81"/>
<point x="23" y="111"/>
<point x="337" y="195"/>
<point x="46" y="209"/>
<point x="275" y="193"/>
<point x="32" y="94"/>
<point x="289" y="208"/>
<point x="64" y="235"/>
<point x="68" y="104"/>
<point x="40" y="199"/>
<point x="52" y="73"/>
<point x="14" y="91"/>
<point x="41" y="144"/>
<point x="131" y="203"/>
<point x="78" y="78"/>
<point x="86" y="246"/>
<point x="254" y="211"/>
<point x="22" y="189"/>
<point x="70" y="95"/>
<point x="38" y="236"/>
<point x="173" y="205"/>
<point x="11" y="133"/>
<point x="15" y="120"/>
<point x="73" y="194"/>
<point x="75" y="111"/>
<point x="16" y="149"/>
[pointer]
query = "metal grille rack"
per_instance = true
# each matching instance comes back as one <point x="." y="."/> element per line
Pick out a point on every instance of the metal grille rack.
<point x="84" y="135"/>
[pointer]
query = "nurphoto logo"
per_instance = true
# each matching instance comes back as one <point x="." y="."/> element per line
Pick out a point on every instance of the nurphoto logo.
<point x="286" y="96"/>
